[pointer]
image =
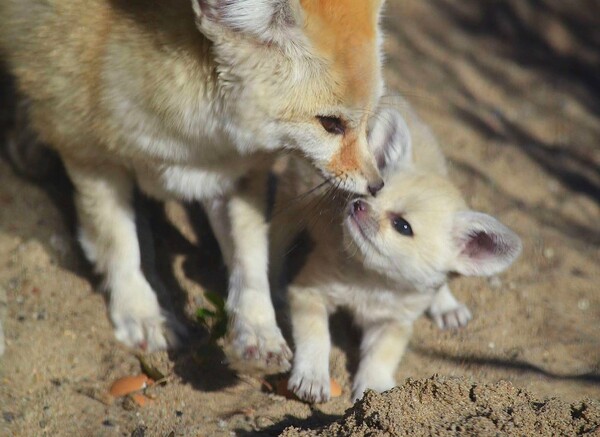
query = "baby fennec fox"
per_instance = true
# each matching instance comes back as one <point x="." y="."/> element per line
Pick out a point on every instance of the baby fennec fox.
<point x="387" y="259"/>
<point x="184" y="97"/>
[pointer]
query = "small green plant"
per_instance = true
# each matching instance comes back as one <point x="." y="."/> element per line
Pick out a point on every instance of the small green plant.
<point x="215" y="319"/>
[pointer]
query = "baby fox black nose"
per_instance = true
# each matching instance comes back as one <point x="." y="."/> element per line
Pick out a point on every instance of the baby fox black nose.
<point x="359" y="210"/>
<point x="376" y="187"/>
<point x="359" y="206"/>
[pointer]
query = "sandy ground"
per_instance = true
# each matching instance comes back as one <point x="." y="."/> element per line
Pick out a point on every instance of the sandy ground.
<point x="455" y="406"/>
<point x="512" y="91"/>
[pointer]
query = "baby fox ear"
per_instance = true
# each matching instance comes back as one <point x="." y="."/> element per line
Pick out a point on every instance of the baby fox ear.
<point x="389" y="139"/>
<point x="267" y="20"/>
<point x="484" y="245"/>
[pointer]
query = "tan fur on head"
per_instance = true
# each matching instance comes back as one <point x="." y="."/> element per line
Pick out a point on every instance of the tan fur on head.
<point x="336" y="41"/>
<point x="345" y="34"/>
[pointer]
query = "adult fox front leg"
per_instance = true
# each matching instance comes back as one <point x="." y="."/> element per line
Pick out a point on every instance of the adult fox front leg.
<point x="254" y="341"/>
<point x="332" y="33"/>
<point x="180" y="96"/>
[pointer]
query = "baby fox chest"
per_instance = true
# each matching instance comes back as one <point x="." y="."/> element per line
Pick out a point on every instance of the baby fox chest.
<point x="371" y="305"/>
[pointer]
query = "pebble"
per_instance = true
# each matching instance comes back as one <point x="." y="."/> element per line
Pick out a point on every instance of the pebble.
<point x="548" y="253"/>
<point x="129" y="404"/>
<point x="140" y="431"/>
<point x="583" y="304"/>
<point x="40" y="315"/>
<point x="495" y="282"/>
<point x="263" y="422"/>
<point x="553" y="186"/>
<point x="59" y="244"/>
<point x="491" y="345"/>
<point x="140" y="399"/>
<point x="13" y="283"/>
<point x="335" y="388"/>
<point x="129" y="384"/>
<point x="578" y="272"/>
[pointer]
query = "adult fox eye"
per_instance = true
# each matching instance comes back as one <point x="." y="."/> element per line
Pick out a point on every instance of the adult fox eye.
<point x="333" y="125"/>
<point x="402" y="226"/>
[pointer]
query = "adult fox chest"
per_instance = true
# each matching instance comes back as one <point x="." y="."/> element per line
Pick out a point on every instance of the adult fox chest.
<point x="188" y="182"/>
<point x="190" y="157"/>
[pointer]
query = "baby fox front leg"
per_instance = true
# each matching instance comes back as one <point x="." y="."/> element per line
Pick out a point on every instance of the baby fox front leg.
<point x="103" y="196"/>
<point x="446" y="311"/>
<point x="382" y="347"/>
<point x="310" y="329"/>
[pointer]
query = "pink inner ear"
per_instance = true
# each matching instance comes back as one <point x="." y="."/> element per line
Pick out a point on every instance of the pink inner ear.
<point x="481" y="245"/>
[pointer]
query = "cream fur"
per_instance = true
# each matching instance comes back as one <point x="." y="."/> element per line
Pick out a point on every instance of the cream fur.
<point x="386" y="280"/>
<point x="184" y="98"/>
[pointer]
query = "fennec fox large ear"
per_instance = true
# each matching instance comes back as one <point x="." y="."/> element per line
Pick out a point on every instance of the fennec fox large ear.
<point x="389" y="139"/>
<point x="270" y="21"/>
<point x="484" y="245"/>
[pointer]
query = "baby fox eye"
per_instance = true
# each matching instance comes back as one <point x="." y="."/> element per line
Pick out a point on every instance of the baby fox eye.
<point x="402" y="226"/>
<point x="333" y="125"/>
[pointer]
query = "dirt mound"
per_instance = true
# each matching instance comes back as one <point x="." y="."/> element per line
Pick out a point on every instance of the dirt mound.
<point x="451" y="406"/>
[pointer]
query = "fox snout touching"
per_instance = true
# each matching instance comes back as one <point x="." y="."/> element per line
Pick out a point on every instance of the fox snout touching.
<point x="185" y="98"/>
<point x="345" y="36"/>
<point x="360" y="218"/>
<point x="386" y="259"/>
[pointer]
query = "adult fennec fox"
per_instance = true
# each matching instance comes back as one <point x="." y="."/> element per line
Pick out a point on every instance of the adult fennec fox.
<point x="183" y="97"/>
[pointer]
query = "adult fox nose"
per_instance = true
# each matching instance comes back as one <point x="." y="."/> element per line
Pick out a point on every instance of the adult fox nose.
<point x="375" y="187"/>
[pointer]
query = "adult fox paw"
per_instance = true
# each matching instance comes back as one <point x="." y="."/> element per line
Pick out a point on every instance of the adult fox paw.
<point x="138" y="319"/>
<point x="256" y="348"/>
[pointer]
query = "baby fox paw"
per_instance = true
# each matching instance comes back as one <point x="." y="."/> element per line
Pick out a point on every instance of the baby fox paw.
<point x="310" y="385"/>
<point x="453" y="318"/>
<point x="379" y="383"/>
<point x="256" y="348"/>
